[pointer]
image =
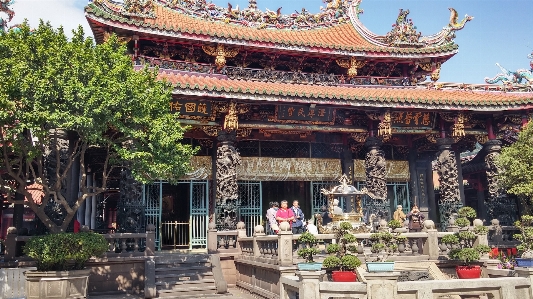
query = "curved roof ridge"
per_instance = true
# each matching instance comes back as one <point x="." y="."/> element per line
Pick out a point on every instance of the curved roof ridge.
<point x="404" y="32"/>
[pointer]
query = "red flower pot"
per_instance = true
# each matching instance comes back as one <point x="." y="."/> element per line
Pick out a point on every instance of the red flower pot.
<point x="468" y="272"/>
<point x="344" y="276"/>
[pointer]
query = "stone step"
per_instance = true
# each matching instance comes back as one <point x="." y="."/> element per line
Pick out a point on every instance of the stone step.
<point x="206" y="296"/>
<point x="181" y="265"/>
<point x="174" y="284"/>
<point x="178" y="258"/>
<point x="183" y="277"/>
<point x="196" y="269"/>
<point x="192" y="292"/>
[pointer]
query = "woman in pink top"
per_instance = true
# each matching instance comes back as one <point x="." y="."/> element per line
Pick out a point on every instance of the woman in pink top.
<point x="284" y="214"/>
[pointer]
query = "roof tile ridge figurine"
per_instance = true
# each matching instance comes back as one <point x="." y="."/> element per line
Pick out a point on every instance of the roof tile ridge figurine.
<point x="4" y="7"/>
<point x="404" y="32"/>
<point x="335" y="13"/>
<point x="521" y="77"/>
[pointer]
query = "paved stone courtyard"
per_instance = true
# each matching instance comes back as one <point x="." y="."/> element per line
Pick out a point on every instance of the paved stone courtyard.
<point x="233" y="293"/>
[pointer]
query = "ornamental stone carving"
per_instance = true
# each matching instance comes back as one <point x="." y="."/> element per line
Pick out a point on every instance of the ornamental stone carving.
<point x="227" y="160"/>
<point x="447" y="169"/>
<point x="375" y="169"/>
<point x="491" y="168"/>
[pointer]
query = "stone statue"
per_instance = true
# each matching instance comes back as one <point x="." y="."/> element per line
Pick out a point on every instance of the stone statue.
<point x="399" y="214"/>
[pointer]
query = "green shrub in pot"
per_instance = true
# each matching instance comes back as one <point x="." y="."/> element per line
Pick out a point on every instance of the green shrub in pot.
<point x="65" y="251"/>
<point x="309" y="241"/>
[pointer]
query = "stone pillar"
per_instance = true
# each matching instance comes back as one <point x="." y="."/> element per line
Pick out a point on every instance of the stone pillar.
<point x="460" y="177"/>
<point x="10" y="250"/>
<point x="527" y="273"/>
<point x="212" y="239"/>
<point x="382" y="285"/>
<point x="376" y="180"/>
<point x="150" y="289"/>
<point x="310" y="283"/>
<point x="259" y="231"/>
<point x="450" y="197"/>
<point x="150" y="240"/>
<point x="241" y="233"/>
<point x="431" y="245"/>
<point x="227" y="190"/>
<point x="413" y="176"/>
<point x="131" y="208"/>
<point x="498" y="205"/>
<point x="285" y="245"/>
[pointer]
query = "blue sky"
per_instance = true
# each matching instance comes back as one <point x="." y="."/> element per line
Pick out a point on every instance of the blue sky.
<point x="500" y="32"/>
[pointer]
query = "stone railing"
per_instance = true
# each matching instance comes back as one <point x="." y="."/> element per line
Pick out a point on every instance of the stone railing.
<point x="119" y="244"/>
<point x="503" y="236"/>
<point x="311" y="285"/>
<point x="282" y="250"/>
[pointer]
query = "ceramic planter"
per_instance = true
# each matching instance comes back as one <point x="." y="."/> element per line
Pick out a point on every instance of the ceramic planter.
<point x="468" y="272"/>
<point x="57" y="285"/>
<point x="344" y="276"/>
<point x="521" y="262"/>
<point x="309" y="266"/>
<point x="380" y="266"/>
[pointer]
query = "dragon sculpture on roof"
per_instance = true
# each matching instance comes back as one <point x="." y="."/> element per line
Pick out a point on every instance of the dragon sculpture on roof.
<point x="4" y="8"/>
<point x="404" y="33"/>
<point x="519" y="77"/>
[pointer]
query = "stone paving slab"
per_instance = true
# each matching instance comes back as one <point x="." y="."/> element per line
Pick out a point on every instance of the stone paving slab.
<point x="233" y="294"/>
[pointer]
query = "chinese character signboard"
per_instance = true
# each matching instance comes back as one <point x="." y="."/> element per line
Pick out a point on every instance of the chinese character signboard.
<point x="190" y="109"/>
<point x="408" y="119"/>
<point x="304" y="114"/>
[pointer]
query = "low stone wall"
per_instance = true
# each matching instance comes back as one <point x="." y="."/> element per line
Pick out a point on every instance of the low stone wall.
<point x="116" y="275"/>
<point x="261" y="279"/>
<point x="310" y="285"/>
<point x="108" y="275"/>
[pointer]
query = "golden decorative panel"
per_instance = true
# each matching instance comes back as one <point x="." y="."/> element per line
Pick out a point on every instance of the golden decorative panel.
<point x="397" y="171"/>
<point x="289" y="169"/>
<point x="273" y="169"/>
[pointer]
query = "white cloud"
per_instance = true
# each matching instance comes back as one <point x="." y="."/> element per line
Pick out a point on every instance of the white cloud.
<point x="66" y="13"/>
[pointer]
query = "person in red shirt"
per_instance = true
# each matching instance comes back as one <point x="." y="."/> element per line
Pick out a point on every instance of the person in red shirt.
<point x="284" y="213"/>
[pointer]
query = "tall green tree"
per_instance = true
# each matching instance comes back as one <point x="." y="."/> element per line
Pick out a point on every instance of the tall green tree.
<point x="52" y="86"/>
<point x="516" y="162"/>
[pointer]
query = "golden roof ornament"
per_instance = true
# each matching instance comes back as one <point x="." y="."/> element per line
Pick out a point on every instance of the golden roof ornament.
<point x="351" y="64"/>
<point x="221" y="53"/>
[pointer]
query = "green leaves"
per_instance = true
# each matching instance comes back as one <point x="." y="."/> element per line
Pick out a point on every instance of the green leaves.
<point x="54" y="252"/>
<point x="93" y="93"/>
<point x="517" y="162"/>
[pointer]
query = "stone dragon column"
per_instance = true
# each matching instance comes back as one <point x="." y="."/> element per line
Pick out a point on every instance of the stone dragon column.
<point x="497" y="203"/>
<point x="227" y="160"/>
<point x="376" y="179"/>
<point x="450" y="196"/>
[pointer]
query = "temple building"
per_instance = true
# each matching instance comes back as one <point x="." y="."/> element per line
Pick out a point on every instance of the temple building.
<point x="281" y="106"/>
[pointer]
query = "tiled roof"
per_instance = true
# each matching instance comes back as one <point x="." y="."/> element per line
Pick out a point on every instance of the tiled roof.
<point x="424" y="98"/>
<point x="338" y="37"/>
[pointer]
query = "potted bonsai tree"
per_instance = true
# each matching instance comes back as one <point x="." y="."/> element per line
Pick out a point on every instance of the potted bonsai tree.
<point x="526" y="241"/>
<point x="463" y="249"/>
<point x="383" y="245"/>
<point x="340" y="261"/>
<point x="309" y="242"/>
<point x="61" y="262"/>
<point x="466" y="216"/>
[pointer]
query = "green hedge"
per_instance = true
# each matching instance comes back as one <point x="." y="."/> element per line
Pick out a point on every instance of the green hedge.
<point x="65" y="251"/>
